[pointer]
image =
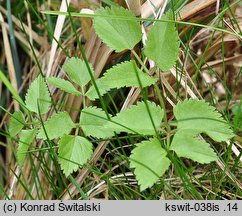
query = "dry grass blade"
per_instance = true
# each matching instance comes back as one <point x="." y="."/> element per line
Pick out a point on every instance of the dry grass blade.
<point x="57" y="34"/>
<point x="195" y="7"/>
<point x="148" y="8"/>
<point x="134" y="6"/>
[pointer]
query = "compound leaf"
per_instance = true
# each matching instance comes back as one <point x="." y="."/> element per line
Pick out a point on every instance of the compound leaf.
<point x="149" y="161"/>
<point x="199" y="117"/>
<point x="78" y="71"/>
<point x="56" y="126"/>
<point x="121" y="75"/>
<point x="92" y="122"/>
<point x="136" y="119"/>
<point x="118" y="33"/>
<point x="26" y="137"/>
<point x="162" y="43"/>
<point x="17" y="122"/>
<point x="187" y="145"/>
<point x="38" y="98"/>
<point x="73" y="150"/>
<point x="63" y="85"/>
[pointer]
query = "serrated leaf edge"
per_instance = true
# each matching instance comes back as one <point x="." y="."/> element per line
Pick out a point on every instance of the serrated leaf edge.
<point x="108" y="72"/>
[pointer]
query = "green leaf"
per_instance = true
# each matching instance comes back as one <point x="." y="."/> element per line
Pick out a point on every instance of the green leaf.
<point x="73" y="150"/>
<point x="17" y="122"/>
<point x="92" y="122"/>
<point x="162" y="43"/>
<point x="56" y="126"/>
<point x="185" y="144"/>
<point x="38" y="98"/>
<point x="121" y="75"/>
<point x="63" y="85"/>
<point x="26" y="137"/>
<point x="149" y="161"/>
<point x="136" y="119"/>
<point x="78" y="71"/>
<point x="199" y="117"/>
<point x="119" y="34"/>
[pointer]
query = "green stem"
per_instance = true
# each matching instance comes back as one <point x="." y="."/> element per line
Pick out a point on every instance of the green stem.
<point x="167" y="125"/>
<point x="83" y="97"/>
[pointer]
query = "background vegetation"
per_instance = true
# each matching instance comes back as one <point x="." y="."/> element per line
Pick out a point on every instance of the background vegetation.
<point x="208" y="67"/>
